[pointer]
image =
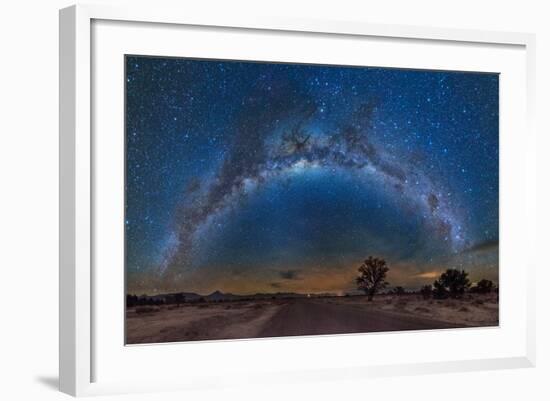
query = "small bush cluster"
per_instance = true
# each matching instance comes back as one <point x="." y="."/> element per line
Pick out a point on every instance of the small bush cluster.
<point x="454" y="283"/>
<point x="426" y="291"/>
<point x="398" y="291"/>
<point x="483" y="287"/>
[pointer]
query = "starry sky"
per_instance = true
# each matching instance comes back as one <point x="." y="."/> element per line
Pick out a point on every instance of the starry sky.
<point x="250" y="177"/>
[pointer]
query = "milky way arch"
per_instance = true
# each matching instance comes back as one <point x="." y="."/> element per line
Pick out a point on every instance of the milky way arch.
<point x="275" y="137"/>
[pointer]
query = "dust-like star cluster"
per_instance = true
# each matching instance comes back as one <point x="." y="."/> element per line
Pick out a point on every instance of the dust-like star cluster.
<point x="251" y="177"/>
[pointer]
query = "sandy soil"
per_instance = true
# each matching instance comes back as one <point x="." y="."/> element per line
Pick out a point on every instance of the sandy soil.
<point x="473" y="310"/>
<point x="210" y="321"/>
<point x="273" y="318"/>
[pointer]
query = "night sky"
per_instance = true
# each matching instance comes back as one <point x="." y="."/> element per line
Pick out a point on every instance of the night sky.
<point x="252" y="177"/>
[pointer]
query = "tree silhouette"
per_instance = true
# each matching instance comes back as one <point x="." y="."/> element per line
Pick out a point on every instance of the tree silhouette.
<point x="426" y="291"/>
<point x="398" y="290"/>
<point x="372" y="276"/>
<point x="483" y="287"/>
<point x="451" y="283"/>
<point x="439" y="291"/>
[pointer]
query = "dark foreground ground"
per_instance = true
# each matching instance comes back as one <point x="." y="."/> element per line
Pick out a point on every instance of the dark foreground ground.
<point x="305" y="316"/>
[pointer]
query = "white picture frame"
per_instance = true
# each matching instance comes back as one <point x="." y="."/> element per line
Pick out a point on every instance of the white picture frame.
<point x="78" y="367"/>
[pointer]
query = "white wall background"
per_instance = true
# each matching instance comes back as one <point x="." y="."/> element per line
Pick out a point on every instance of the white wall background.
<point x="29" y="187"/>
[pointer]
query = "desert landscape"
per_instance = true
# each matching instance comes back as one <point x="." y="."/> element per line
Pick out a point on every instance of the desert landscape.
<point x="301" y="316"/>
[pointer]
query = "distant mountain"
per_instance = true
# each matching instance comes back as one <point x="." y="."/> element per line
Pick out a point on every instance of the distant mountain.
<point x="220" y="296"/>
<point x="189" y="296"/>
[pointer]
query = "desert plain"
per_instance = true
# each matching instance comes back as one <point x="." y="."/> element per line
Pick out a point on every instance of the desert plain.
<point x="305" y="316"/>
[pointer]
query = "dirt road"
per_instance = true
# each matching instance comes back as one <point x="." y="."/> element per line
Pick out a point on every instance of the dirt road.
<point x="311" y="317"/>
<point x="303" y="316"/>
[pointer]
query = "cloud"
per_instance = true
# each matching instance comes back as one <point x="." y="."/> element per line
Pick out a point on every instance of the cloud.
<point x="289" y="275"/>
<point x="430" y="275"/>
<point x="484" y="246"/>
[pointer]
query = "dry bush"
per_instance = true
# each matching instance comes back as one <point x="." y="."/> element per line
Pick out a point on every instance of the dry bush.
<point x="422" y="309"/>
<point x="464" y="309"/>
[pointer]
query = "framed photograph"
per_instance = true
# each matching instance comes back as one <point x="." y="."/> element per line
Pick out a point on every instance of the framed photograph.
<point x="355" y="196"/>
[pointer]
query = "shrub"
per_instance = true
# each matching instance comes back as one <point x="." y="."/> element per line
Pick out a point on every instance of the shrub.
<point x="483" y="287"/>
<point x="439" y="291"/>
<point x="426" y="291"/>
<point x="452" y="283"/>
<point x="398" y="290"/>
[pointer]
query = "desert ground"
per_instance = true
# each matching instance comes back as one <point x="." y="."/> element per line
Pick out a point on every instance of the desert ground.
<point x="305" y="316"/>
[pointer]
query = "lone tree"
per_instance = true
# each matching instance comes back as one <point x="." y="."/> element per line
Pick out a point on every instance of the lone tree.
<point x="483" y="286"/>
<point x="452" y="283"/>
<point x="372" y="276"/>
